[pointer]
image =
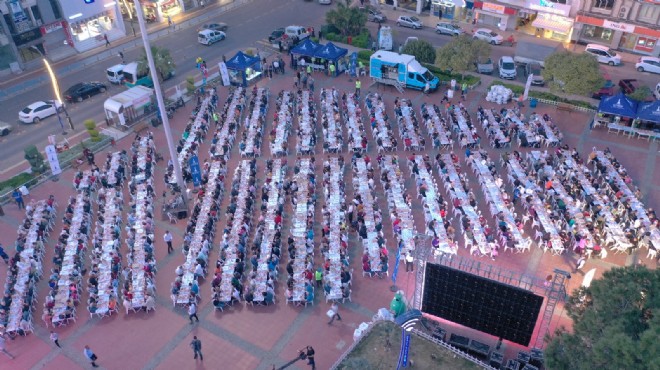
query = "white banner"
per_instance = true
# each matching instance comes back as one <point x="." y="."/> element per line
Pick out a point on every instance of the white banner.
<point x="224" y="74"/>
<point x="51" y="154"/>
<point x="528" y="84"/>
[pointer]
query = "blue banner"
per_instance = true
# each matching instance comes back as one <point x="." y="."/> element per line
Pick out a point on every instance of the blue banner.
<point x="406" y="349"/>
<point x="396" y="265"/>
<point x="353" y="66"/>
<point x="195" y="171"/>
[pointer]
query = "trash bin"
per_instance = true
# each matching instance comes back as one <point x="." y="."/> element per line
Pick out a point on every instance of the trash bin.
<point x="532" y="103"/>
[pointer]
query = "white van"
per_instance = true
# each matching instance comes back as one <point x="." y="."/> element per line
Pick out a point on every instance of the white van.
<point x="603" y="54"/>
<point x="208" y="37"/>
<point x="297" y="33"/>
<point x="114" y="74"/>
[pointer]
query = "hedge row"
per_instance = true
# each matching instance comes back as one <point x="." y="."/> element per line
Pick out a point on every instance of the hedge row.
<point x="518" y="90"/>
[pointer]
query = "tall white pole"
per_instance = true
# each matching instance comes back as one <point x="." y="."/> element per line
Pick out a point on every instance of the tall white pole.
<point x="159" y="97"/>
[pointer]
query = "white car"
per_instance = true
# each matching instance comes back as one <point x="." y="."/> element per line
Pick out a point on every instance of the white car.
<point x="325" y="2"/>
<point x="603" y="54"/>
<point x="648" y="64"/>
<point x="448" y="29"/>
<point x="487" y="35"/>
<point x="412" y="22"/>
<point x="507" y="68"/>
<point x="39" y="110"/>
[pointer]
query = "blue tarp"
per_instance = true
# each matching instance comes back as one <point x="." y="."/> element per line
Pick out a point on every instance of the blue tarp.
<point x="307" y="48"/>
<point x="619" y="105"/>
<point x="331" y="52"/>
<point x="241" y="61"/>
<point x="649" y="111"/>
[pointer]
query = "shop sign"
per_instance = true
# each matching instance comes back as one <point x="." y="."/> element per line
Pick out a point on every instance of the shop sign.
<point x="25" y="37"/>
<point x="546" y="6"/>
<point x="51" y="27"/>
<point x="493" y="8"/>
<point x="619" y="26"/>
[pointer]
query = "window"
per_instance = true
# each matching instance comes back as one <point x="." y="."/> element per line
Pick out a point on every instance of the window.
<point x="604" y="4"/>
<point x="56" y="9"/>
<point x="649" y="13"/>
<point x="595" y="32"/>
<point x="37" y="14"/>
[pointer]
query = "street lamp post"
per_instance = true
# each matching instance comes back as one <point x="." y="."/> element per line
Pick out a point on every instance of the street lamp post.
<point x="56" y="90"/>
<point x="159" y="97"/>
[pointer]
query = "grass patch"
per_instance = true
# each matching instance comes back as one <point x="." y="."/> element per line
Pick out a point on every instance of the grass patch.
<point x="373" y="353"/>
<point x="15" y="182"/>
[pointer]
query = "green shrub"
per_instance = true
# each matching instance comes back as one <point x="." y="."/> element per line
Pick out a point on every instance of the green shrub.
<point x="331" y="36"/>
<point x="94" y="135"/>
<point x="190" y="84"/>
<point x="89" y="124"/>
<point x="16" y="181"/>
<point x="518" y="90"/>
<point x="364" y="56"/>
<point x="362" y="40"/>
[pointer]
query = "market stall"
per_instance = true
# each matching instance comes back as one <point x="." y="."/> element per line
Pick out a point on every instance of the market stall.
<point x="616" y="112"/>
<point x="127" y="107"/>
<point x="243" y="69"/>
<point x="648" y="114"/>
<point x="332" y="54"/>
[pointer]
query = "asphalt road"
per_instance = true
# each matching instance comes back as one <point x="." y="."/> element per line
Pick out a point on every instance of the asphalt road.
<point x="247" y="25"/>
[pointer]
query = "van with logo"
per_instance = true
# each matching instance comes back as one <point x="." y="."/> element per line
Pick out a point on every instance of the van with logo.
<point x="114" y="74"/>
<point x="208" y="37"/>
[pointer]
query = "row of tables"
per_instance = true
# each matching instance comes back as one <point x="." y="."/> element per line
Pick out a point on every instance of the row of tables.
<point x="306" y="122"/>
<point x="408" y="126"/>
<point x="20" y="283"/>
<point x="331" y="121"/>
<point x="380" y="127"/>
<point x="334" y="219"/>
<point x="252" y="135"/>
<point x="493" y="128"/>
<point x="357" y="136"/>
<point x="282" y="123"/>
<point x="302" y="223"/>
<point x="224" y="136"/>
<point x="436" y="126"/>
<point x="463" y="126"/>
<point x="362" y="174"/>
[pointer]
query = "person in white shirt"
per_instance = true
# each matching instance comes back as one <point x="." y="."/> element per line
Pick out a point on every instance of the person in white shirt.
<point x="192" y="312"/>
<point x="168" y="239"/>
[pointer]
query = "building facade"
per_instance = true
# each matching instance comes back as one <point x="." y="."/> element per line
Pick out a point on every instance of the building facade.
<point x="90" y="24"/>
<point x="625" y="25"/>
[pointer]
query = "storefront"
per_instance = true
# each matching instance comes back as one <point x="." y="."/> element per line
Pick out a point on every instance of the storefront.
<point x="495" y="15"/>
<point x="551" y="20"/>
<point x="458" y="10"/>
<point x="89" y="25"/>
<point x="169" y="8"/>
<point x="56" y="37"/>
<point x="618" y="35"/>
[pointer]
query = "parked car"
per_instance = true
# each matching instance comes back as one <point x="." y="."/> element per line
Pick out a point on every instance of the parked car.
<point x="485" y="66"/>
<point x="448" y="29"/>
<point x="39" y="110"/>
<point x="648" y="64"/>
<point x="630" y="85"/>
<point x="374" y="15"/>
<point x="507" y="68"/>
<point x="534" y="68"/>
<point x="325" y="2"/>
<point x="603" y="54"/>
<point x="412" y="22"/>
<point x="5" y="128"/>
<point x="214" y="26"/>
<point x="487" y="35"/>
<point x="83" y="90"/>
<point x="276" y="34"/>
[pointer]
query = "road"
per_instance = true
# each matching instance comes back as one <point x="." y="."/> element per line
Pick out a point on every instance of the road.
<point x="248" y="25"/>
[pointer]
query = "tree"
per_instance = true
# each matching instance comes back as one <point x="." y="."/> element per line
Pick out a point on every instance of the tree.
<point x="572" y="73"/>
<point x="421" y="49"/>
<point x="162" y="60"/>
<point x="349" y="20"/>
<point x="35" y="159"/>
<point x="461" y="53"/>
<point x="641" y="93"/>
<point x="615" y="324"/>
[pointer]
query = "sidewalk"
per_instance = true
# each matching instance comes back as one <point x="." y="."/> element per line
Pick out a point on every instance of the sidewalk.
<point x="32" y="79"/>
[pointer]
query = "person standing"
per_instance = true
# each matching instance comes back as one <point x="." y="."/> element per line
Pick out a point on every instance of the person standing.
<point x="18" y="198"/>
<point x="580" y="263"/>
<point x="107" y="42"/>
<point x="192" y="312"/>
<point x="168" y="239"/>
<point x="3" y="254"/>
<point x="91" y="356"/>
<point x="318" y="276"/>
<point x="310" y="82"/>
<point x="169" y="20"/>
<point x="121" y="55"/>
<point x="333" y="312"/>
<point x="310" y="357"/>
<point x="358" y="86"/>
<point x="55" y="338"/>
<point x="196" y="345"/>
<point x="2" y="347"/>
<point x="440" y="14"/>
<point x="409" y="262"/>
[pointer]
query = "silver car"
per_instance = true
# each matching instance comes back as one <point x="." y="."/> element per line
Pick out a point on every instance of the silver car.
<point x="374" y="15"/>
<point x="412" y="22"/>
<point x="448" y="29"/>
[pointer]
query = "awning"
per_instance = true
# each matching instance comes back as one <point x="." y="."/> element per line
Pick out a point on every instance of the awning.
<point x="553" y="22"/>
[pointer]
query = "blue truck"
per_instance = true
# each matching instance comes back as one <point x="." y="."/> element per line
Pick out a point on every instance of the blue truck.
<point x="400" y="70"/>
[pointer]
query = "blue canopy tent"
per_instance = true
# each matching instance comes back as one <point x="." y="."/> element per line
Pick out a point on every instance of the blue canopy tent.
<point x="649" y="112"/>
<point x="243" y="68"/>
<point x="618" y="105"/>
<point x="331" y="54"/>
<point x="306" y="48"/>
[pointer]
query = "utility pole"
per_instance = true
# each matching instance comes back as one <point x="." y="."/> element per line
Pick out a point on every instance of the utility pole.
<point x="159" y="98"/>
